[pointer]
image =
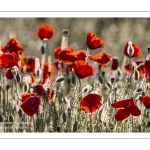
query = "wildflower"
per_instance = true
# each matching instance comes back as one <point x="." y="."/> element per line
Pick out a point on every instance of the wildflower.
<point x="83" y="69"/>
<point x="101" y="58"/>
<point x="25" y="96"/>
<point x="58" y="50"/>
<point x="9" y="73"/>
<point x="31" y="105"/>
<point x="8" y="60"/>
<point x="115" y="63"/>
<point x="126" y="108"/>
<point x="80" y="55"/>
<point x="45" y="31"/>
<point x="132" y="50"/>
<point x="67" y="56"/>
<point x="145" y="100"/>
<point x="90" y="103"/>
<point x="38" y="89"/>
<point x="129" y="68"/>
<point x="147" y="68"/>
<point x="93" y="41"/>
<point x="13" y="46"/>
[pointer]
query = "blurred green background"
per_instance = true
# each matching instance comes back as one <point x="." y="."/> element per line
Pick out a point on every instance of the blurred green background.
<point x="114" y="31"/>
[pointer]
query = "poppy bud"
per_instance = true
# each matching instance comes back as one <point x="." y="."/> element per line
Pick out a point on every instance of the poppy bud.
<point x="1" y="118"/>
<point x="136" y="75"/>
<point x="49" y="73"/>
<point x="100" y="79"/>
<point x="73" y="80"/>
<point x="58" y="129"/>
<point x="148" y="124"/>
<point x="103" y="73"/>
<point x="26" y="87"/>
<point x="18" y="78"/>
<point x="75" y="126"/>
<point x="112" y="80"/>
<point x="65" y="32"/>
<point x="64" y="117"/>
<point x="115" y="63"/>
<point x="69" y="112"/>
<point x="67" y="70"/>
<point x="42" y="50"/>
<point x="11" y="118"/>
<point x="60" y="79"/>
<point x="7" y="87"/>
<point x="148" y="49"/>
<point x="20" y="113"/>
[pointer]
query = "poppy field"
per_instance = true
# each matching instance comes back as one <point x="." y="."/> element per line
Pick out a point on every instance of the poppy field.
<point x="64" y="88"/>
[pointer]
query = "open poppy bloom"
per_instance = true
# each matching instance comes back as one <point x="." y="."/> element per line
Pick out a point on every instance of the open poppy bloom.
<point x="101" y="58"/>
<point x="58" y="50"/>
<point x="126" y="108"/>
<point x="90" y="103"/>
<point x="31" y="105"/>
<point x="45" y="31"/>
<point x="115" y="63"/>
<point x="39" y="89"/>
<point x="25" y="96"/>
<point x="80" y="55"/>
<point x="8" y="60"/>
<point x="68" y="57"/>
<point x="129" y="68"/>
<point x="9" y="74"/>
<point x="145" y="100"/>
<point x="14" y="46"/>
<point x="93" y="41"/>
<point x="132" y="50"/>
<point x="83" y="69"/>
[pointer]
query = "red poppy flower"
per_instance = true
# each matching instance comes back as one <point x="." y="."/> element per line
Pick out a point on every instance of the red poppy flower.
<point x="31" y="105"/>
<point x="14" y="46"/>
<point x="8" y="60"/>
<point x="58" y="50"/>
<point x="39" y="89"/>
<point x="9" y="74"/>
<point x="101" y="58"/>
<point x="4" y="49"/>
<point x="68" y="57"/>
<point x="129" y="68"/>
<point x="90" y="103"/>
<point x="115" y="63"/>
<point x="147" y="68"/>
<point x="145" y="100"/>
<point x="83" y="69"/>
<point x="25" y="96"/>
<point x="93" y="41"/>
<point x="45" y="31"/>
<point x="80" y="55"/>
<point x="127" y="108"/>
<point x="132" y="49"/>
<point x="30" y="64"/>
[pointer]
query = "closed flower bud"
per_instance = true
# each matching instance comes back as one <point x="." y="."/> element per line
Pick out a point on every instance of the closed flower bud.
<point x="136" y="75"/>
<point x="1" y="118"/>
<point x="60" y="79"/>
<point x="20" y="113"/>
<point x="75" y="126"/>
<point x="64" y="117"/>
<point x="42" y="50"/>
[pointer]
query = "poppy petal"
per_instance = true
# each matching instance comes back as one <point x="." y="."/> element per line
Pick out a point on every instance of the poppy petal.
<point x="122" y="114"/>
